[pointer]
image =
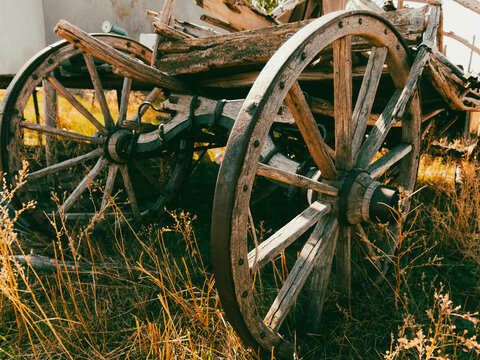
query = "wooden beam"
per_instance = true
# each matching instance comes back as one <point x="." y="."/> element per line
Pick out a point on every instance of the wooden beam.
<point x="105" y="52"/>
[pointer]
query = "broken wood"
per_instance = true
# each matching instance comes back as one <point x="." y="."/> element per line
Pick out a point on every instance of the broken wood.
<point x="135" y="69"/>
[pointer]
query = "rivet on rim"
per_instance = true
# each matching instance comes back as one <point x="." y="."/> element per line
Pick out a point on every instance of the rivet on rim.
<point x="241" y="261"/>
<point x="245" y="187"/>
<point x="256" y="143"/>
<point x="245" y="294"/>
<point x="303" y="55"/>
<point x="360" y="21"/>
<point x="340" y="24"/>
<point x="281" y="84"/>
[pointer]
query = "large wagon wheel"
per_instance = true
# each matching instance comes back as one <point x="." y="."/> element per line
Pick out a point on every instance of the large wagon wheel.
<point x="75" y="169"/>
<point x="259" y="282"/>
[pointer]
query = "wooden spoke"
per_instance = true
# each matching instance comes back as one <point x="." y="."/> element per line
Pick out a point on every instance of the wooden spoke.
<point x="320" y="240"/>
<point x="150" y="178"/>
<point x="367" y="245"/>
<point x="295" y="179"/>
<point x="279" y="241"/>
<point x="366" y="96"/>
<point x="107" y="192"/>
<point x="130" y="192"/>
<point x="343" y="259"/>
<point x="97" y="84"/>
<point x="396" y="154"/>
<point x="75" y="195"/>
<point x="59" y="132"/>
<point x="311" y="134"/>
<point x="342" y="86"/>
<point x="122" y="112"/>
<point x="50" y="113"/>
<point x="64" y="165"/>
<point x="378" y="133"/>
<point x="76" y="104"/>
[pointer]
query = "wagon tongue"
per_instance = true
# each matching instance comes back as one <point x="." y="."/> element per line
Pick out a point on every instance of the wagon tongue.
<point x="363" y="199"/>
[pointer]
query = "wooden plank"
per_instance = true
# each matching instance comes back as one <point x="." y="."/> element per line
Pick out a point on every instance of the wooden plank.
<point x="64" y="165"/>
<point x="239" y="14"/>
<point x="105" y="52"/>
<point x="59" y="132"/>
<point x="82" y="186"/>
<point x="366" y="96"/>
<point x="76" y="104"/>
<point x="284" y="237"/>
<point x="242" y="49"/>
<point x="386" y="161"/>
<point x="217" y="22"/>
<point x="378" y="133"/>
<point x="342" y="87"/>
<point x="100" y="95"/>
<point x="307" y="125"/>
<point x="295" y="179"/>
<point x="317" y="247"/>
<point x="169" y="31"/>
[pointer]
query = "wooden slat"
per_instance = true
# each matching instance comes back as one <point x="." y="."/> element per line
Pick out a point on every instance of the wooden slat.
<point x="366" y="96"/>
<point x="64" y="165"/>
<point x="100" y="95"/>
<point x="378" y="133"/>
<point x="311" y="134"/>
<point x="386" y="161"/>
<point x="473" y="5"/>
<point x="169" y="31"/>
<point x="59" y="132"/>
<point x="76" y="104"/>
<point x="462" y="41"/>
<point x="239" y="14"/>
<point x="295" y="179"/>
<point x="82" y="186"/>
<point x="130" y="191"/>
<point x="107" y="53"/>
<point x="285" y="236"/>
<point x="320" y="241"/>
<point x="342" y="87"/>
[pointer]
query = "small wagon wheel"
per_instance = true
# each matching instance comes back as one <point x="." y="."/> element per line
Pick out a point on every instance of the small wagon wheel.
<point x="259" y="282"/>
<point x="71" y="143"/>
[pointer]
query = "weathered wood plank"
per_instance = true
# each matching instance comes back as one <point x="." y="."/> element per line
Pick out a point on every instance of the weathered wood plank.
<point x="239" y="14"/>
<point x="242" y="49"/>
<point x="318" y="247"/>
<point x="366" y="96"/>
<point x="473" y="5"/>
<point x="307" y="125"/>
<point x="169" y="31"/>
<point x="123" y="106"/>
<point x="107" y="53"/>
<point x="107" y="192"/>
<point x="217" y="22"/>
<point x="284" y="237"/>
<point x="343" y="260"/>
<point x="386" y="161"/>
<point x="295" y="179"/>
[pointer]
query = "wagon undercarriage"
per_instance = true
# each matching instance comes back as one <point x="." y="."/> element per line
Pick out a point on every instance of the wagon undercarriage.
<point x="335" y="110"/>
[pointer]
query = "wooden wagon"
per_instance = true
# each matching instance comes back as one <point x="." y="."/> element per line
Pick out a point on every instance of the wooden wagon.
<point x="334" y="110"/>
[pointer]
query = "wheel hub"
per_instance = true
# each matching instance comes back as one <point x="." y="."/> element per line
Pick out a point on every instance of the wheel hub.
<point x="119" y="145"/>
<point x="362" y="198"/>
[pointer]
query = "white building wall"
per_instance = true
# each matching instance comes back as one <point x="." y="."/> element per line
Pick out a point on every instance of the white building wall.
<point x="22" y="33"/>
